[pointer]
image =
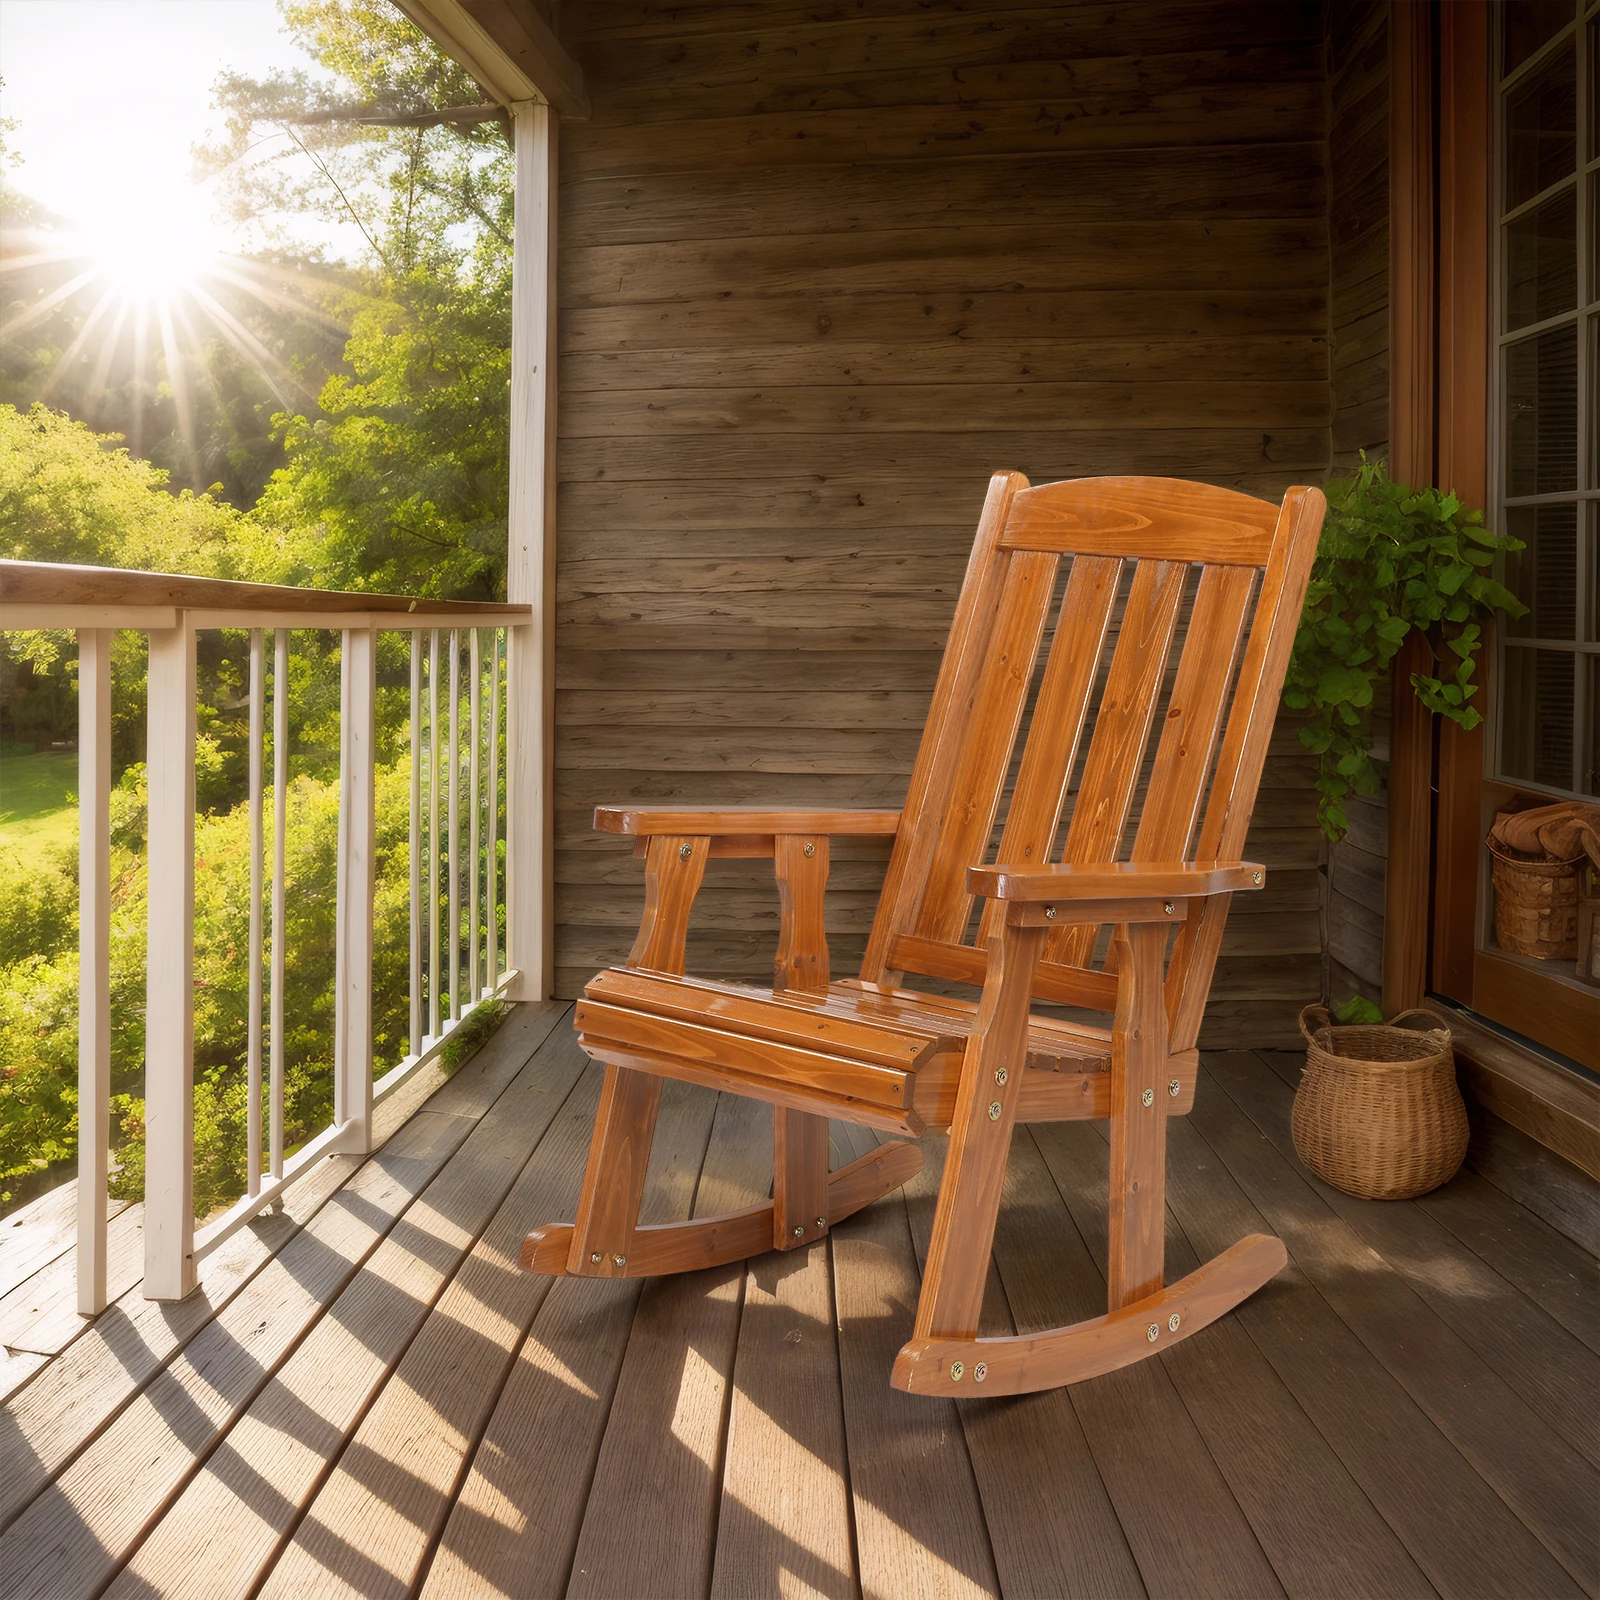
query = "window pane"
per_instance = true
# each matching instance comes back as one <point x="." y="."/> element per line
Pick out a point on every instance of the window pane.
<point x="1545" y="575"/>
<point x="1527" y="24"/>
<point x="1536" y="716"/>
<point x="1591" y="601"/>
<point x="1542" y="413"/>
<point x="1542" y="129"/>
<point x="1594" y="89"/>
<point x="1591" y="759"/>
<point x="1542" y="261"/>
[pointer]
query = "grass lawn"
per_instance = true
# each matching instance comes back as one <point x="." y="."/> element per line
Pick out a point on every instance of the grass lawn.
<point x="38" y="799"/>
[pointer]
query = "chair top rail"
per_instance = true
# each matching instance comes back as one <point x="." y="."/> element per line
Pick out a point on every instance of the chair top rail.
<point x="48" y="583"/>
<point x="1162" y="519"/>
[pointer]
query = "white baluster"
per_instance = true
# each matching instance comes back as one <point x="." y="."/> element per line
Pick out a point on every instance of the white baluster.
<point x="475" y="800"/>
<point x="433" y="834"/>
<point x="525" y="870"/>
<point x="253" y="1034"/>
<point x="94" y="961"/>
<point x="416" y="842"/>
<point x="358" y="841"/>
<point x="280" y="932"/>
<point x="452" y="748"/>
<point x="492" y="857"/>
<point x="169" y="1004"/>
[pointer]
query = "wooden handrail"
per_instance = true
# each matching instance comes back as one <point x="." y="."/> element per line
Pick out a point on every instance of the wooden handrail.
<point x="54" y="583"/>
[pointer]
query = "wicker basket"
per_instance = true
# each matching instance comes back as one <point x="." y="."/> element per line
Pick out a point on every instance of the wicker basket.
<point x="1535" y="905"/>
<point x="1378" y="1113"/>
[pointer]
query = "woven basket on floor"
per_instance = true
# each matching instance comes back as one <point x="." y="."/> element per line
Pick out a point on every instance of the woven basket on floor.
<point x="1378" y="1113"/>
<point x="1535" y="905"/>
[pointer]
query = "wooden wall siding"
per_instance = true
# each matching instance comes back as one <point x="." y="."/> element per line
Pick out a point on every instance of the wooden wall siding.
<point x="1358" y="237"/>
<point x="823" y="268"/>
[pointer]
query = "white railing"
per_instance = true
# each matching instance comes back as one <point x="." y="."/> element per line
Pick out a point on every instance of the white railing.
<point x="471" y="689"/>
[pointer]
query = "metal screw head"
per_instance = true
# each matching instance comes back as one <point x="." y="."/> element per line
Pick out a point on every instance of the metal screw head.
<point x="1174" y="1088"/>
<point x="799" y="1232"/>
<point x="822" y="1222"/>
<point x="980" y="1372"/>
<point x="1172" y="1322"/>
<point x="621" y="1261"/>
<point x="999" y="1074"/>
<point x="1153" y="1332"/>
<point x="1148" y="1097"/>
<point x="994" y="1110"/>
<point x="1255" y="877"/>
<point x="1167" y="907"/>
<point x="956" y="1369"/>
<point x="808" y="850"/>
<point x="594" y="1258"/>
<point x="685" y="851"/>
<point x="1049" y="912"/>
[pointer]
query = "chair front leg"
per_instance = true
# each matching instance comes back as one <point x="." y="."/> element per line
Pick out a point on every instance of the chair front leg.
<point x="674" y="867"/>
<point x="1139" y="1093"/>
<point x="980" y="1141"/>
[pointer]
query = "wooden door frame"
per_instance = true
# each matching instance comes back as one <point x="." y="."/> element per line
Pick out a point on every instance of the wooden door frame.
<point x="1441" y="334"/>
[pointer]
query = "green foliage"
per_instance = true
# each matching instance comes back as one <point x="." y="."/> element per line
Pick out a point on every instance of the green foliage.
<point x="1392" y="560"/>
<point x="1357" y="1009"/>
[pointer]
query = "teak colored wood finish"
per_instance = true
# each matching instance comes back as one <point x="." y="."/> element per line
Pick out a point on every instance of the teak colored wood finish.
<point x="1193" y="709"/>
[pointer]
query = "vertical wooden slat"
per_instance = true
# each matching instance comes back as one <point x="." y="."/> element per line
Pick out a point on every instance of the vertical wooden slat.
<point x="1121" y="731"/>
<point x="1058" y="718"/>
<point x="673" y="869"/>
<point x="1138" y="1129"/>
<point x="434" y="968"/>
<point x="800" y="865"/>
<point x="984" y="755"/>
<point x="492" y="854"/>
<point x="1194" y="715"/>
<point x="474" y="826"/>
<point x="169" y="978"/>
<point x="452" y="767"/>
<point x="1243" y="753"/>
<point x="280" y="837"/>
<point x="253" y="1029"/>
<point x="947" y="721"/>
<point x="358" y="839"/>
<point x="414" y="947"/>
<point x="94" y="961"/>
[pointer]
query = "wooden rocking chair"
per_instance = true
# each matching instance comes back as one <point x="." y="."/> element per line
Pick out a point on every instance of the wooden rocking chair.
<point x="876" y="1052"/>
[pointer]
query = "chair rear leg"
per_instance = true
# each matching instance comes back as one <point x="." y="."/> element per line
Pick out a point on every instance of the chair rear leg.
<point x="980" y="1143"/>
<point x="799" y="1178"/>
<point x="1139" y="1093"/>
<point x="613" y="1181"/>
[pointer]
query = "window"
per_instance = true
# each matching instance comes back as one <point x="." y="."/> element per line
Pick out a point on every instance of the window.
<point x="1547" y="425"/>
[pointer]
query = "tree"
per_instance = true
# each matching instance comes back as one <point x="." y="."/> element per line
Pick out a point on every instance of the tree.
<point x="404" y="477"/>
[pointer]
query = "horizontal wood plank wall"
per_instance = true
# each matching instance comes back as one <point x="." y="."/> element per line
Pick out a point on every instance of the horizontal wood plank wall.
<point x="823" y="268"/>
<point x="1358" y="236"/>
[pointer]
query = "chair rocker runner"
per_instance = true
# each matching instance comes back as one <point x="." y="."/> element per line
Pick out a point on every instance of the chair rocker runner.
<point x="1143" y="552"/>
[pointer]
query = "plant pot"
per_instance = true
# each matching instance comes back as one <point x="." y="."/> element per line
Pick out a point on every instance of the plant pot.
<point x="1378" y="1114"/>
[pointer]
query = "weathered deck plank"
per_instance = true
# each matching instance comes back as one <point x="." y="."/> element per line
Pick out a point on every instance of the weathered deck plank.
<point x="376" y="1400"/>
<point x="279" y="1450"/>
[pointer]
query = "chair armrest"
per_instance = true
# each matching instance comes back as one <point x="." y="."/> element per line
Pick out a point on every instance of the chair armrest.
<point x="1115" y="880"/>
<point x="740" y="821"/>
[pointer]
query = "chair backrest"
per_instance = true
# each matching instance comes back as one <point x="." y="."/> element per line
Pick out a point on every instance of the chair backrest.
<point x="1142" y="550"/>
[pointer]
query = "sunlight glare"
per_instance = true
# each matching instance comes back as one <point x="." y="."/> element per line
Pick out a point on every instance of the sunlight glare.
<point x="153" y="259"/>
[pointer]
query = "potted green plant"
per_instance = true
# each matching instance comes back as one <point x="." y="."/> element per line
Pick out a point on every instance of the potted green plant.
<point x="1392" y="559"/>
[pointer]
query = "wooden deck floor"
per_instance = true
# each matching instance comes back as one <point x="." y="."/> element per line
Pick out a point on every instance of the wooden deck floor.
<point x="368" y="1397"/>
